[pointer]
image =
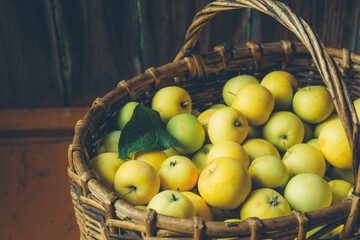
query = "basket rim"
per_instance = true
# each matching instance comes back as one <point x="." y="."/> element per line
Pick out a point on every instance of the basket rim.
<point x="83" y="176"/>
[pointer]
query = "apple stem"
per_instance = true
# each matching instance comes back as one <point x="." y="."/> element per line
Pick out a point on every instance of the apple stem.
<point x="173" y="198"/>
<point x="173" y="163"/>
<point x="132" y="188"/>
<point x="237" y="123"/>
<point x="232" y="93"/>
<point x="274" y="201"/>
<point x="184" y="104"/>
<point x="283" y="136"/>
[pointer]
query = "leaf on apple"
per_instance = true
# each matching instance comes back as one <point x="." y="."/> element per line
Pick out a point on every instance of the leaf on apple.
<point x="144" y="131"/>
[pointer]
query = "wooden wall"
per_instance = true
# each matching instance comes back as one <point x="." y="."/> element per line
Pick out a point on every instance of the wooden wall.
<point x="56" y="53"/>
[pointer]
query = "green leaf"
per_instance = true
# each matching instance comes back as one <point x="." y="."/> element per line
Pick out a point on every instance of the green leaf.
<point x="144" y="131"/>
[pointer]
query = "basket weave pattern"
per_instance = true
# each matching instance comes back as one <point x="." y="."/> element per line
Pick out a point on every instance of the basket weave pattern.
<point x="101" y="214"/>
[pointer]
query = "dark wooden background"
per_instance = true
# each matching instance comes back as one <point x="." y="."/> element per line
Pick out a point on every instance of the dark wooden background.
<point x="65" y="53"/>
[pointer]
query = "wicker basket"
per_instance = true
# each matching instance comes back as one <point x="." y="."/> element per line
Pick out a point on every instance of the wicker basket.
<point x="101" y="214"/>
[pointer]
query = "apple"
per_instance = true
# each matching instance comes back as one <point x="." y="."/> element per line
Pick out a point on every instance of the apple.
<point x="136" y="182"/>
<point x="125" y="113"/>
<point x="227" y="124"/>
<point x="258" y="147"/>
<point x="313" y="104"/>
<point x="188" y="132"/>
<point x="283" y="129"/>
<point x="268" y="172"/>
<point x="308" y="192"/>
<point x="200" y="157"/>
<point x="178" y="173"/>
<point x="255" y="102"/>
<point x="154" y="158"/>
<point x="217" y="106"/>
<point x="264" y="203"/>
<point x="201" y="207"/>
<point x="204" y="118"/>
<point x="224" y="183"/>
<point x="308" y="131"/>
<point x="109" y="142"/>
<point x="228" y="149"/>
<point x="340" y="190"/>
<point x="304" y="158"/>
<point x="172" y="203"/>
<point x="314" y="142"/>
<point x="334" y="145"/>
<point x="171" y="152"/>
<point x="171" y="101"/>
<point x="319" y="126"/>
<point x="343" y="174"/>
<point x="105" y="166"/>
<point x="280" y="84"/>
<point x="233" y="86"/>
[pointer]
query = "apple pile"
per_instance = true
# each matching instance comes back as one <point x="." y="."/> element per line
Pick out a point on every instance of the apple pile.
<point x="269" y="148"/>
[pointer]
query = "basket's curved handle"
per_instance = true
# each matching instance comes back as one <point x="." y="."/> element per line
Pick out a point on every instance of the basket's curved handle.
<point x="325" y="64"/>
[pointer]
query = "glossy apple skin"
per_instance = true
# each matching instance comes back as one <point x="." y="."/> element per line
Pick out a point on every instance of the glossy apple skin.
<point x="125" y="113"/>
<point x="172" y="203"/>
<point x="307" y="192"/>
<point x="258" y="147"/>
<point x="224" y="183"/>
<point x="233" y="86"/>
<point x="188" y="132"/>
<point x="202" y="208"/>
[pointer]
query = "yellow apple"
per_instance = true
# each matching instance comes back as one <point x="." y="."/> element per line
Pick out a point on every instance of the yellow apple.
<point x="280" y="84"/>
<point x="172" y="203"/>
<point x="200" y="157"/>
<point x="304" y="158"/>
<point x="125" y="113"/>
<point x="258" y="147"/>
<point x="268" y="172"/>
<point x="313" y="104"/>
<point x="264" y="203"/>
<point x="334" y="145"/>
<point x="154" y="158"/>
<point x="314" y="142"/>
<point x="227" y="124"/>
<point x="171" y="101"/>
<point x="228" y="149"/>
<point x="255" y="102"/>
<point x="171" y="152"/>
<point x="201" y="207"/>
<point x="188" y="132"/>
<point x="204" y="118"/>
<point x="178" y="173"/>
<point x="340" y="190"/>
<point x="308" y="192"/>
<point x="224" y="183"/>
<point x="284" y="129"/>
<point x="109" y="142"/>
<point x="105" y="166"/>
<point x="233" y="86"/>
<point x="320" y="125"/>
<point x="136" y="182"/>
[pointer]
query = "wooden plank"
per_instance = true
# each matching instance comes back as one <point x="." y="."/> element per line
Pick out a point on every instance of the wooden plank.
<point x="336" y="22"/>
<point x="30" y="70"/>
<point x="165" y="24"/>
<point x="35" y="200"/>
<point x="42" y="122"/>
<point x="100" y="45"/>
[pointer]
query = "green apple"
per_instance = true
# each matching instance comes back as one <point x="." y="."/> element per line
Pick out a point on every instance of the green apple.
<point x="264" y="203"/>
<point x="313" y="104"/>
<point x="188" y="132"/>
<point x="334" y="145"/>
<point x="200" y="157"/>
<point x="259" y="147"/>
<point x="280" y="84"/>
<point x="255" y="102"/>
<point x="343" y="174"/>
<point x="136" y="182"/>
<point x="283" y="129"/>
<point x="172" y="203"/>
<point x="178" y="173"/>
<point x="105" y="166"/>
<point x="171" y="101"/>
<point x="314" y="142"/>
<point x="233" y="86"/>
<point x="304" y="158"/>
<point x="224" y="183"/>
<point x="308" y="192"/>
<point x="201" y="207"/>
<point x="217" y="106"/>
<point x="125" y="113"/>
<point x="228" y="149"/>
<point x="340" y="190"/>
<point x="268" y="172"/>
<point x="227" y="124"/>
<point x="109" y="142"/>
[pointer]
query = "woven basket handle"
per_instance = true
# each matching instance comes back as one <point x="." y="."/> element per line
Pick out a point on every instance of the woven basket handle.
<point x="324" y="63"/>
